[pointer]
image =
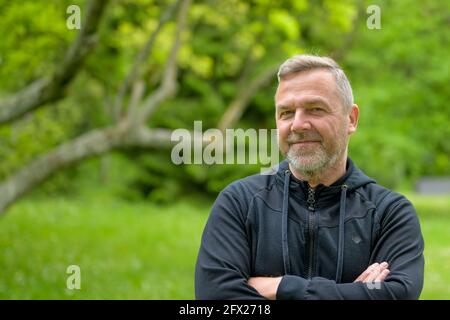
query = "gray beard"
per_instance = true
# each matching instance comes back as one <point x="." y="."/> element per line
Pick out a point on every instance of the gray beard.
<point x="312" y="165"/>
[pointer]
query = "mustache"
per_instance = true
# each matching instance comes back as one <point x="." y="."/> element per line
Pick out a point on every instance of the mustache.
<point x="295" y="137"/>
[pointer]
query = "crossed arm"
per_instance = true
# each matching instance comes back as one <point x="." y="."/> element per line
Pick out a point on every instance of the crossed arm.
<point x="268" y="286"/>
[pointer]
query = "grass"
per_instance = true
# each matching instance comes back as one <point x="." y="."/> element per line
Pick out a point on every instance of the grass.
<point x="434" y="215"/>
<point x="143" y="251"/>
<point x="124" y="250"/>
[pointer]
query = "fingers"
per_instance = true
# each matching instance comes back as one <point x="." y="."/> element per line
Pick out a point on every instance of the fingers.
<point x="375" y="272"/>
<point x="366" y="272"/>
<point x="382" y="275"/>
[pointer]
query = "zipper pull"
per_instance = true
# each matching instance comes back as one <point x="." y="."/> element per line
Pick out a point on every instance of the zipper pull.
<point x="311" y="200"/>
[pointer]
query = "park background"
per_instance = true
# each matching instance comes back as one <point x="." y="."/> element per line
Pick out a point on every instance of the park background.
<point x="86" y="114"/>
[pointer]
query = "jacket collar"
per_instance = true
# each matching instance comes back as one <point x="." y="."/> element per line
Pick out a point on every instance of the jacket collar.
<point x="353" y="178"/>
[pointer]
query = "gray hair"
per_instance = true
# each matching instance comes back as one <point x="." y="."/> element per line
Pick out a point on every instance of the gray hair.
<point x="303" y="62"/>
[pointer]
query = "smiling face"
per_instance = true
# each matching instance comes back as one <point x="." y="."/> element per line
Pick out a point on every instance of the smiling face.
<point x="312" y="123"/>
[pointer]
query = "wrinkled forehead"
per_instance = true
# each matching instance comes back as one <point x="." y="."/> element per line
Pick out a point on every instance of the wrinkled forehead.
<point x="319" y="84"/>
<point x="305" y="101"/>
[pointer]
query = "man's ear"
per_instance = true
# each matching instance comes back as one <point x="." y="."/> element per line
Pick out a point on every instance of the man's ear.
<point x="353" y="119"/>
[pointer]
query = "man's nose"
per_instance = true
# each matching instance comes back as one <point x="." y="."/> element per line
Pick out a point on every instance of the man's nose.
<point x="300" y="122"/>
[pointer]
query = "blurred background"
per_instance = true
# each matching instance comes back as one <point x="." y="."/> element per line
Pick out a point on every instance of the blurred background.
<point x="86" y="176"/>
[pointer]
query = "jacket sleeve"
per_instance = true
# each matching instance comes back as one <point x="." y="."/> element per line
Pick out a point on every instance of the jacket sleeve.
<point x="223" y="263"/>
<point x="400" y="243"/>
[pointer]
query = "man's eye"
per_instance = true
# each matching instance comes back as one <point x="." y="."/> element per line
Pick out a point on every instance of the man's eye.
<point x="316" y="109"/>
<point x="285" y="113"/>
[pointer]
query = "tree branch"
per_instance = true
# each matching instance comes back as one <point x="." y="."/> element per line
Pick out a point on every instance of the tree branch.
<point x="88" y="145"/>
<point x="49" y="89"/>
<point x="134" y="72"/>
<point x="168" y="85"/>
<point x="136" y="95"/>
<point x="126" y="133"/>
<point x="240" y="103"/>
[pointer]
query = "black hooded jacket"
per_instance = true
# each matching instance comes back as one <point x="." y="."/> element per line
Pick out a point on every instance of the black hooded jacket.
<point x="320" y="240"/>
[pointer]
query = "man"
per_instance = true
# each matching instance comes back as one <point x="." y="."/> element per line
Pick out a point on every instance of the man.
<point x="319" y="228"/>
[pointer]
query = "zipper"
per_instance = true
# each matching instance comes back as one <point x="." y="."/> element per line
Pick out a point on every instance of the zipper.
<point x="311" y="207"/>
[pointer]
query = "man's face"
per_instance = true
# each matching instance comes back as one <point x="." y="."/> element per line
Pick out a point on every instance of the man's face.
<point x="312" y="124"/>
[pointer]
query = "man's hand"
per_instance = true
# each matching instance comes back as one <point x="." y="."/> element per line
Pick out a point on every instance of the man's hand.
<point x="266" y="286"/>
<point x="377" y="272"/>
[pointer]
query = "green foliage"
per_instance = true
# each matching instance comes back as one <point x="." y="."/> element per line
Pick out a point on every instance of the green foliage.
<point x="402" y="91"/>
<point x="31" y="44"/>
<point x="375" y="151"/>
<point x="400" y="77"/>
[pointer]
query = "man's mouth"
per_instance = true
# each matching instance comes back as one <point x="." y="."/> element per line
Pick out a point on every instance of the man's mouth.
<point x="304" y="142"/>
